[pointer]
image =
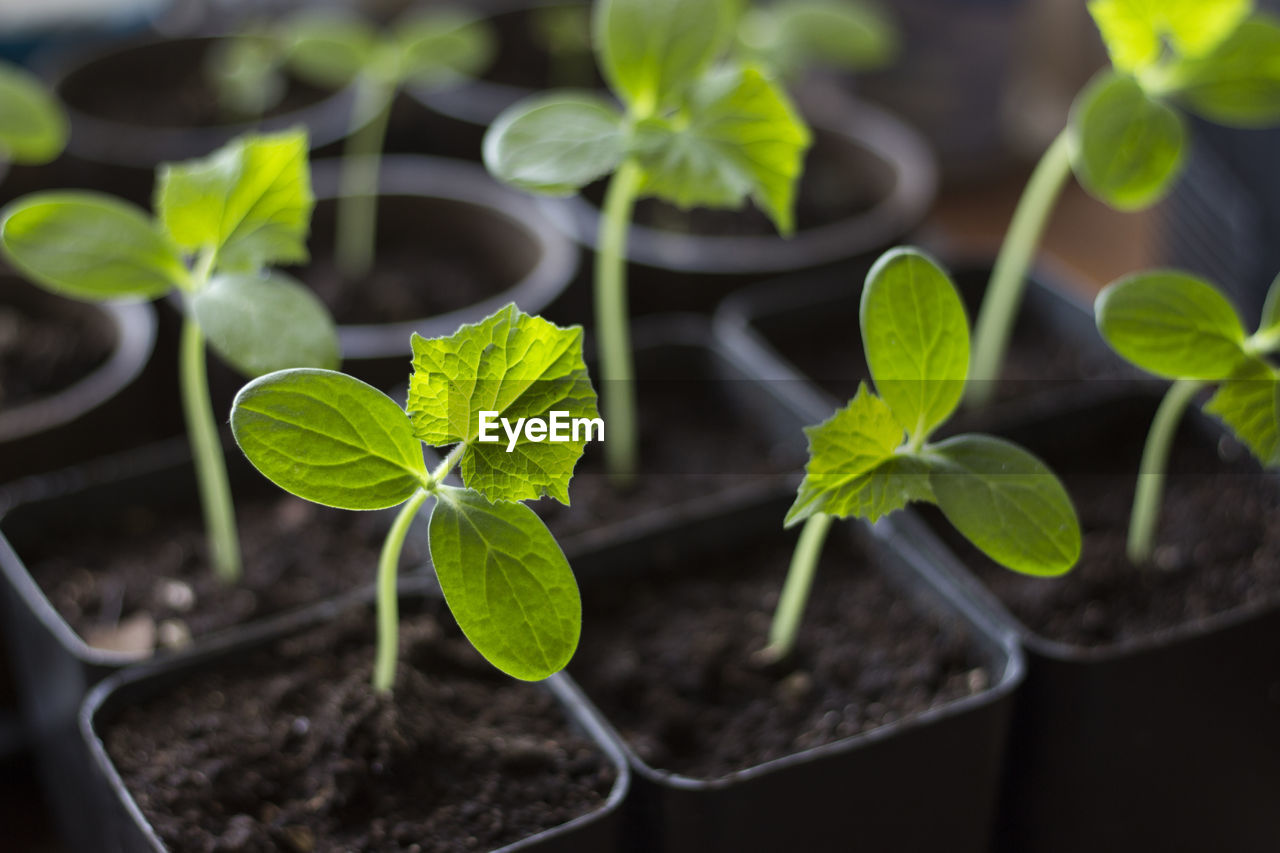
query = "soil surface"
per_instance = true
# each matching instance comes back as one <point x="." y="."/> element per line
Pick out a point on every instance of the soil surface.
<point x="1218" y="545"/>
<point x="46" y="343"/>
<point x="667" y="658"/>
<point x="290" y="749"/>
<point x="139" y="577"/>
<point x="178" y="92"/>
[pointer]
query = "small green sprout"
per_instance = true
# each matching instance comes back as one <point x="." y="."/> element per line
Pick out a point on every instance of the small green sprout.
<point x="1180" y="327"/>
<point x="689" y="131"/>
<point x="332" y="50"/>
<point x="875" y="455"/>
<point x="334" y="440"/>
<point x="220" y="222"/>
<point x="33" y="128"/>
<point x="246" y="70"/>
<point x="790" y="36"/>
<point x="1126" y="139"/>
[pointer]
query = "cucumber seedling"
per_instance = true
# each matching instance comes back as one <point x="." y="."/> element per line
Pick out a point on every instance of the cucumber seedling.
<point x="1126" y="139"/>
<point x="791" y="36"/>
<point x="33" y="128"/>
<point x="332" y="439"/>
<point x="220" y="221"/>
<point x="1180" y="327"/>
<point x="689" y="131"/>
<point x="875" y="455"/>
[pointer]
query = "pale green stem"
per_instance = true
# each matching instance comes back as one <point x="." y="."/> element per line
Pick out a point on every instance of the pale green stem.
<point x="384" y="667"/>
<point x="613" y="333"/>
<point x="795" y="592"/>
<point x="450" y="462"/>
<point x="1155" y="460"/>
<point x="206" y="450"/>
<point x="1008" y="278"/>
<point x="357" y="217"/>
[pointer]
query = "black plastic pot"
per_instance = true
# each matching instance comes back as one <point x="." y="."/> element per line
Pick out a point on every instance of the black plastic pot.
<point x="1167" y="742"/>
<point x="923" y="783"/>
<point x="127" y="830"/>
<point x="799" y="334"/>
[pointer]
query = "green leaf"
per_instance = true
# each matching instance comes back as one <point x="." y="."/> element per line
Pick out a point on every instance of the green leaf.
<point x="1007" y="503"/>
<point x="1248" y="404"/>
<point x="1238" y="84"/>
<point x="329" y="438"/>
<point x="251" y="200"/>
<point x="555" y="144"/>
<point x="33" y="129"/>
<point x="1135" y="30"/>
<point x="854" y="468"/>
<point x="1171" y="324"/>
<point x="90" y="246"/>
<point x="652" y="50"/>
<point x="519" y="367"/>
<point x="245" y="71"/>
<point x="327" y="48"/>
<point x="261" y="323"/>
<point x="507" y="583"/>
<point x="1271" y="309"/>
<point x="743" y="138"/>
<point x="1127" y="149"/>
<point x="443" y="46"/>
<point x="916" y="337"/>
<point x="793" y="35"/>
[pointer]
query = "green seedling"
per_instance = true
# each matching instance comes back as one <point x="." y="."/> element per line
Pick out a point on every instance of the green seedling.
<point x="875" y="455"/>
<point x="334" y="440"/>
<point x="219" y="222"/>
<point x="330" y="50"/>
<point x="33" y="129"/>
<point x="688" y="131"/>
<point x="247" y="72"/>
<point x="1180" y="327"/>
<point x="790" y="36"/>
<point x="1126" y="137"/>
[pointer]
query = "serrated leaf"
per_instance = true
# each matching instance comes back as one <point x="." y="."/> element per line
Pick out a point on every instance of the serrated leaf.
<point x="1238" y="84"/>
<point x="916" y="337"/>
<point x="33" y="129"/>
<point x="651" y="50"/>
<point x="555" y="144"/>
<point x="1126" y="149"/>
<point x="1135" y="30"/>
<point x="1247" y="403"/>
<point x="89" y="246"/>
<point x="520" y="367"/>
<point x="442" y="46"/>
<point x="854" y="468"/>
<point x="262" y="323"/>
<point x="327" y="48"/>
<point x="1171" y="324"/>
<point x="1007" y="503"/>
<point x="329" y="438"/>
<point x="743" y="138"/>
<point x="792" y="35"/>
<point x="507" y="583"/>
<point x="251" y="200"/>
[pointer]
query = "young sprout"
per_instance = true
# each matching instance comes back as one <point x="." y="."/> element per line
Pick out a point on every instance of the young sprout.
<point x="334" y="440"/>
<point x="875" y="455"/>
<point x="790" y="36"/>
<point x="33" y="129"/>
<point x="332" y="50"/>
<point x="687" y="132"/>
<point x="220" y="222"/>
<point x="246" y="71"/>
<point x="1125" y="140"/>
<point x="1180" y="327"/>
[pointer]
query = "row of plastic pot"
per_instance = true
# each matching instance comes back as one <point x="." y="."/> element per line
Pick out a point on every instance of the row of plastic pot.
<point x="966" y="726"/>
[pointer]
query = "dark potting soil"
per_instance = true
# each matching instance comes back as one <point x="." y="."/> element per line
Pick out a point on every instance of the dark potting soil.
<point x="290" y="749"/>
<point x="140" y="577"/>
<point x="173" y="76"/>
<point x="433" y="256"/>
<point x="1218" y="545"/>
<point x="46" y="343"/>
<point x="667" y="657"/>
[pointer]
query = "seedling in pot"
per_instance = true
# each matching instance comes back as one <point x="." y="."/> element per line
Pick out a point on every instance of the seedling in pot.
<point x="220" y="222"/>
<point x="332" y="50"/>
<point x="334" y="440"/>
<point x="1180" y="327"/>
<point x="1126" y="138"/>
<point x="33" y="129"/>
<point x="875" y="455"/>
<point x="246" y="71"/>
<point x="688" y="131"/>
